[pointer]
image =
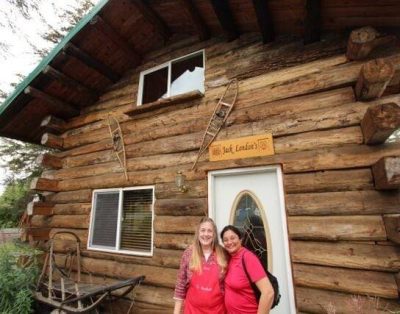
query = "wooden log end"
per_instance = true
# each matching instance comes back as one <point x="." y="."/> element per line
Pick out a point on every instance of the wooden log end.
<point x="378" y="70"/>
<point x="53" y="124"/>
<point x="52" y="141"/>
<point x="42" y="184"/>
<point x="379" y="122"/>
<point x="386" y="173"/>
<point x="49" y="161"/>
<point x="374" y="76"/>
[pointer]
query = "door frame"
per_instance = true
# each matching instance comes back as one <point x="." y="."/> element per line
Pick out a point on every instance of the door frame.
<point x="277" y="169"/>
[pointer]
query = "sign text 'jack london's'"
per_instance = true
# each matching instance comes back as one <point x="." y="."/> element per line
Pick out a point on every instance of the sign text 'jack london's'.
<point x="243" y="147"/>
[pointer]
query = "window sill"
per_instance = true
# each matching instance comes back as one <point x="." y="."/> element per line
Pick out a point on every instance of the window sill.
<point x="165" y="102"/>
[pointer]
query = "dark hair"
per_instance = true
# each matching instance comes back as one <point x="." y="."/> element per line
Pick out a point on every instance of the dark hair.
<point x="231" y="228"/>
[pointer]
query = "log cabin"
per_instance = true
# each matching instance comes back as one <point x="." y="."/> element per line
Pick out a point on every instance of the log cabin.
<point x="304" y="154"/>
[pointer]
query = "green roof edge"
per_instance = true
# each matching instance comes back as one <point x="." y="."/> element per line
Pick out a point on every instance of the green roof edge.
<point x="45" y="61"/>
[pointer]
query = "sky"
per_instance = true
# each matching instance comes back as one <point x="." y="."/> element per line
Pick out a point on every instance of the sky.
<point x="20" y="57"/>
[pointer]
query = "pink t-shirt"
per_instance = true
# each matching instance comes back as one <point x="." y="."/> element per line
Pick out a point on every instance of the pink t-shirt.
<point x="239" y="297"/>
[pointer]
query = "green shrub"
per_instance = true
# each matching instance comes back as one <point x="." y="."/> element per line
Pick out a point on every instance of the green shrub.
<point x="17" y="278"/>
<point x="13" y="203"/>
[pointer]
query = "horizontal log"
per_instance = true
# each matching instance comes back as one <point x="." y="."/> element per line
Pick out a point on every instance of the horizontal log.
<point x="148" y="308"/>
<point x="158" y="276"/>
<point x="61" y="221"/>
<point x="37" y="234"/>
<point x="137" y="178"/>
<point x="176" y="224"/>
<point x="161" y="257"/>
<point x="82" y="234"/>
<point x="53" y="125"/>
<point x="52" y="141"/>
<point x="172" y="241"/>
<point x="155" y="295"/>
<point x="343" y="203"/>
<point x="181" y="207"/>
<point x="370" y="283"/>
<point x="348" y="255"/>
<point x="392" y="225"/>
<point x="165" y="102"/>
<point x="379" y="122"/>
<point x="329" y="181"/>
<point x="375" y="75"/>
<point x="142" y="293"/>
<point x="42" y="184"/>
<point x="49" y="161"/>
<point x="40" y="208"/>
<point x="84" y="195"/>
<point x="334" y="228"/>
<point x="386" y="173"/>
<point x="196" y="189"/>
<point x="318" y="139"/>
<point x="323" y="301"/>
<point x="72" y="209"/>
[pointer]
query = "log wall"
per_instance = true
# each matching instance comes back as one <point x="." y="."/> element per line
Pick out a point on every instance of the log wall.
<point x="304" y="96"/>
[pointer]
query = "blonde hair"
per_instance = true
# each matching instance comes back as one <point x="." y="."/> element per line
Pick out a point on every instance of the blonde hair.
<point x="197" y="254"/>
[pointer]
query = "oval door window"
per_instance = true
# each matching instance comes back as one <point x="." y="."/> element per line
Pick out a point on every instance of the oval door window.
<point x="249" y="217"/>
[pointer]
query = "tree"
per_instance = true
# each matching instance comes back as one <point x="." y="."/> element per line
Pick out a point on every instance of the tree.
<point x="16" y="157"/>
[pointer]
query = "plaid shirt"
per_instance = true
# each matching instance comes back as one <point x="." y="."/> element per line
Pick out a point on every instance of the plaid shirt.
<point x="185" y="274"/>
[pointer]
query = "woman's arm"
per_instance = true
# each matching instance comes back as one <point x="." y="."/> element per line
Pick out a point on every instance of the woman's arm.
<point x="267" y="295"/>
<point x="181" y="281"/>
<point x="178" y="306"/>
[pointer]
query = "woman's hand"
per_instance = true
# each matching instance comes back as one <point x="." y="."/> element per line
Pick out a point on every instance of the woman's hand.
<point x="267" y="296"/>
<point x="178" y="306"/>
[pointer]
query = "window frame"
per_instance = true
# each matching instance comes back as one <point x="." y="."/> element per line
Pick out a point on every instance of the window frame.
<point x="168" y="65"/>
<point x="117" y="249"/>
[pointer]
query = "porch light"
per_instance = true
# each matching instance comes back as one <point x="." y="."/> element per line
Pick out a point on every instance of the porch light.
<point x="180" y="182"/>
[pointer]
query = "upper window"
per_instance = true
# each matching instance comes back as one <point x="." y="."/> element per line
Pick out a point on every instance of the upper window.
<point x="175" y="77"/>
<point x="122" y="221"/>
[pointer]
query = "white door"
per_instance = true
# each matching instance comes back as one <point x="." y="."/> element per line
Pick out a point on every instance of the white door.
<point x="252" y="199"/>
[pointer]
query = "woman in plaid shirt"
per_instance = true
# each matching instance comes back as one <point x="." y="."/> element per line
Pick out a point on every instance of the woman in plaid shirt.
<point x="201" y="274"/>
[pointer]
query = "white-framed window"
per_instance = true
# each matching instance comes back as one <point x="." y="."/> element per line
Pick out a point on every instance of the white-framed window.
<point x="175" y="77"/>
<point x="121" y="220"/>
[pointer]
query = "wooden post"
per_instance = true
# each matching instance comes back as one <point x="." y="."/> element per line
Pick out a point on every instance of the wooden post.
<point x="386" y="173"/>
<point x="379" y="122"/>
<point x="363" y="40"/>
<point x="53" y="124"/>
<point x="49" y="161"/>
<point x="51" y="140"/>
<point x="392" y="226"/>
<point x="42" y="184"/>
<point x="374" y="76"/>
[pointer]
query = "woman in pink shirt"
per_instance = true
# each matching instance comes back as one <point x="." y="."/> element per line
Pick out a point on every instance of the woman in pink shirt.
<point x="200" y="282"/>
<point x="239" y="296"/>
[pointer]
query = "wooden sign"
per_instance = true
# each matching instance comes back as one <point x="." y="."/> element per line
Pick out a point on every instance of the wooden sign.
<point x="244" y="147"/>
